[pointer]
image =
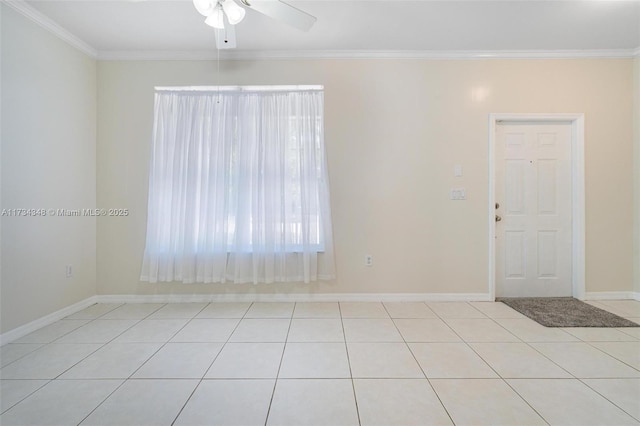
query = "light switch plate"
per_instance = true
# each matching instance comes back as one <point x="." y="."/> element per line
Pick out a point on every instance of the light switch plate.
<point x="457" y="170"/>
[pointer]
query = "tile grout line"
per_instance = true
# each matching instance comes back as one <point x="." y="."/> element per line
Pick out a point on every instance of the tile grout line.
<point x="284" y="348"/>
<point x="529" y="344"/>
<point x="504" y="380"/>
<point x="418" y="363"/>
<point x="45" y="344"/>
<point x="464" y="341"/>
<point x="622" y="330"/>
<point x="212" y="362"/>
<point x="87" y="321"/>
<point x="607" y="307"/>
<point x="573" y="376"/>
<point x="525" y="401"/>
<point x="103" y="401"/>
<point x="110" y="341"/>
<point x="590" y="343"/>
<point x="137" y="321"/>
<point x="346" y="348"/>
<point x="42" y="345"/>
<point x="499" y="377"/>
<point x="165" y="343"/>
<point x="151" y="356"/>
<point x="48" y="381"/>
<point x="520" y="341"/>
<point x="607" y="399"/>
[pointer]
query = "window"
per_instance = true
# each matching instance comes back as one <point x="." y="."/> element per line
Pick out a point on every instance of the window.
<point x="238" y="187"/>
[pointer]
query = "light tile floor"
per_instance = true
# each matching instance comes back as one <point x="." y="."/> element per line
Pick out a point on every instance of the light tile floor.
<point x="320" y="364"/>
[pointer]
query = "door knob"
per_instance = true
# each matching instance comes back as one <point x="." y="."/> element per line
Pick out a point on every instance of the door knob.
<point x="497" y="206"/>
<point x="498" y="218"/>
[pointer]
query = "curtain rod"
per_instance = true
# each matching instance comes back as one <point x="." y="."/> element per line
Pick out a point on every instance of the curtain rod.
<point x="239" y="88"/>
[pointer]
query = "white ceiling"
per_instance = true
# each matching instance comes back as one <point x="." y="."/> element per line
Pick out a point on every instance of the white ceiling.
<point x="364" y="25"/>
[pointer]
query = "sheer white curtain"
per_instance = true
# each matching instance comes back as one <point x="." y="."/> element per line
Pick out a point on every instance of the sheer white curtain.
<point x="238" y="188"/>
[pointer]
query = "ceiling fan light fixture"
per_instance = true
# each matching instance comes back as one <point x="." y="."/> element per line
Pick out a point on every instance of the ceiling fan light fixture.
<point x="205" y="7"/>
<point x="234" y="13"/>
<point x="216" y="18"/>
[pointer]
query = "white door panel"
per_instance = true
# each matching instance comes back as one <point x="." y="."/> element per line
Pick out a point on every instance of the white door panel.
<point x="533" y="189"/>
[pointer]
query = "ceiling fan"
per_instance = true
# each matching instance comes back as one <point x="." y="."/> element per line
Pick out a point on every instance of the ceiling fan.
<point x="221" y="12"/>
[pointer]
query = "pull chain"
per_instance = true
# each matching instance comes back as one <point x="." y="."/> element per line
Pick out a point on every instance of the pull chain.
<point x="218" y="73"/>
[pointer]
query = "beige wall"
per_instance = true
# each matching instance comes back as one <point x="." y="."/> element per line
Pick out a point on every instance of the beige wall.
<point x="48" y="161"/>
<point x="636" y="171"/>
<point x="394" y="131"/>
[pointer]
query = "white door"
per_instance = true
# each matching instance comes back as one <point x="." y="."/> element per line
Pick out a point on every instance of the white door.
<point x="533" y="214"/>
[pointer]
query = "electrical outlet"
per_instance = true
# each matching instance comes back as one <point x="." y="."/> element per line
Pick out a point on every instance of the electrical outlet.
<point x="458" y="194"/>
<point x="69" y="271"/>
<point x="368" y="260"/>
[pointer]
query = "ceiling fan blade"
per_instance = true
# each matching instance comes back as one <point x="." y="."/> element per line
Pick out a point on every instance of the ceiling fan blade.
<point x="282" y="11"/>
<point x="226" y="38"/>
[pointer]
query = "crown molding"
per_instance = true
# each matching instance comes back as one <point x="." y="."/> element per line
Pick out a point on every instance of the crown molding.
<point x="43" y="21"/>
<point x="159" y="55"/>
<point x="238" y="55"/>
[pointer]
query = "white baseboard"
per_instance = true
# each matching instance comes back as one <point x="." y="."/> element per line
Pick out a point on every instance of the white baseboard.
<point x="32" y="326"/>
<point x="297" y="297"/>
<point x="612" y="295"/>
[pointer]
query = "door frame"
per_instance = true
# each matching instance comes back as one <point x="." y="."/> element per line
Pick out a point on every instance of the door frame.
<point x="577" y="193"/>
